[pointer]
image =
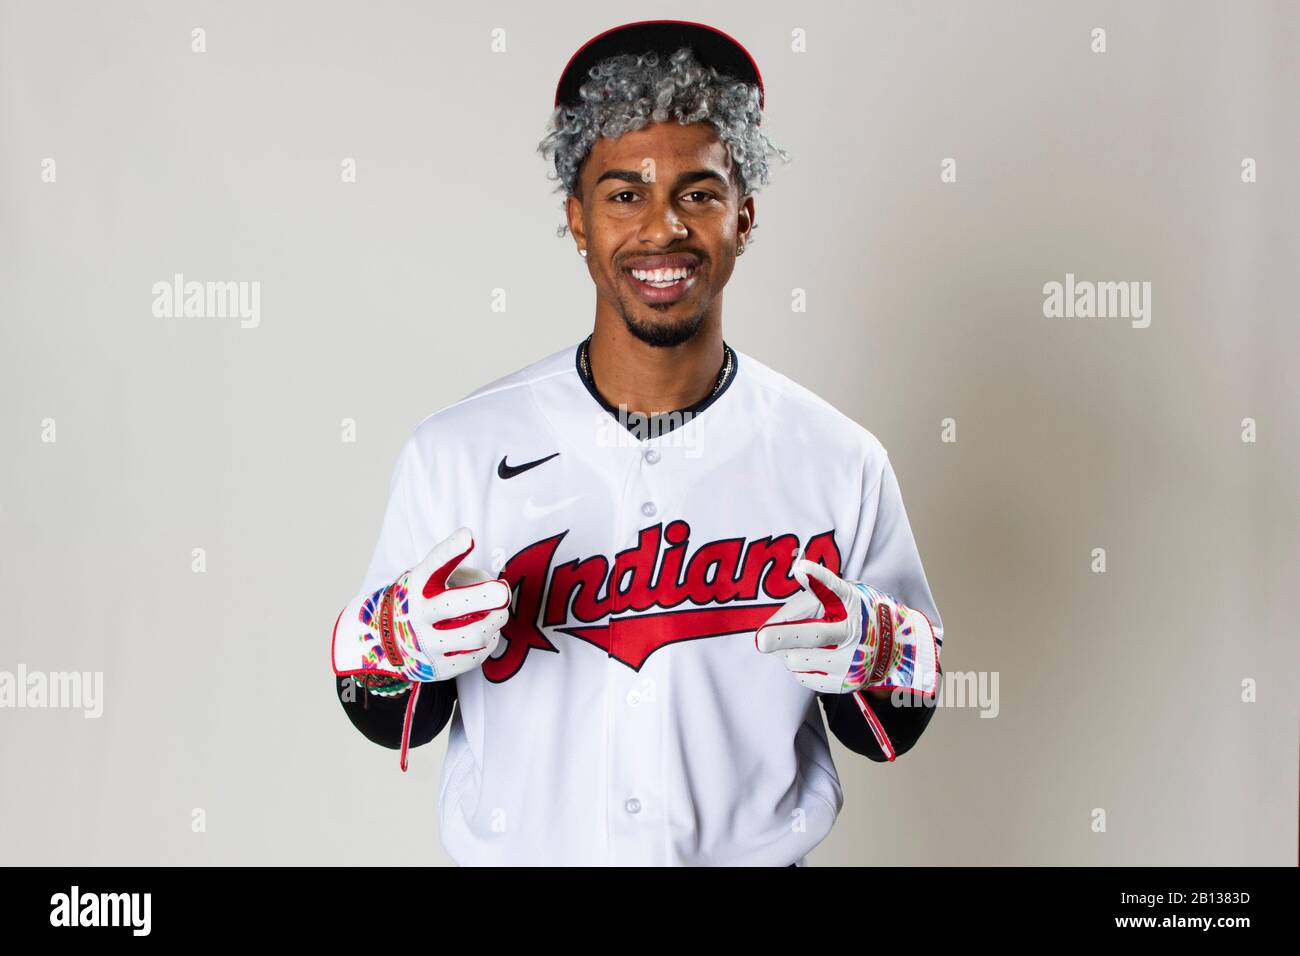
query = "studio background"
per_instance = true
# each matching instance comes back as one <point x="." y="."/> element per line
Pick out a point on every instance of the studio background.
<point x="1119" y="690"/>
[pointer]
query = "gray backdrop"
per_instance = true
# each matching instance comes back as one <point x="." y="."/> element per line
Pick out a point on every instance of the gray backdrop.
<point x="1119" y="691"/>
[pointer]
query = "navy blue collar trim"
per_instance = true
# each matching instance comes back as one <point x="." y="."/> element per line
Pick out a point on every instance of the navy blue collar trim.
<point x="664" y="422"/>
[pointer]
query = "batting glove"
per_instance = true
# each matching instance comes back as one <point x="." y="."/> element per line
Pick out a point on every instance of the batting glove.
<point x="433" y="623"/>
<point x="838" y="636"/>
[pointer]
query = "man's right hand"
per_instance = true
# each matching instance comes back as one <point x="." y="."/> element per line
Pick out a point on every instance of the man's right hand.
<point x="435" y="622"/>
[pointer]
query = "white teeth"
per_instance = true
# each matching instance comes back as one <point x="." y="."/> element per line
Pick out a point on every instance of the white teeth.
<point x="667" y="276"/>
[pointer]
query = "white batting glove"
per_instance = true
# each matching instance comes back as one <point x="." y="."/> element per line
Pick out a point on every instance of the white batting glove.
<point x="435" y="622"/>
<point x="839" y="636"/>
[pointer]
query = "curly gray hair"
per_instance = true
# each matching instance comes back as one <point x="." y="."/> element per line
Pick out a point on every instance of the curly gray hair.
<point x="628" y="91"/>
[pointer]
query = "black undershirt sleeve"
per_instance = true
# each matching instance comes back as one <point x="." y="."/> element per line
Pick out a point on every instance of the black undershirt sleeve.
<point x="380" y="718"/>
<point x="903" y="725"/>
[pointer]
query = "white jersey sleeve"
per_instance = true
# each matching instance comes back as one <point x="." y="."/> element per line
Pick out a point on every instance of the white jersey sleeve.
<point x="397" y="549"/>
<point x="403" y="542"/>
<point x="884" y="554"/>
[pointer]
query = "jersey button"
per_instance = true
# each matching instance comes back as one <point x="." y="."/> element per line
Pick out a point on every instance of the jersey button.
<point x="651" y="456"/>
<point x="633" y="805"/>
<point x="648" y="509"/>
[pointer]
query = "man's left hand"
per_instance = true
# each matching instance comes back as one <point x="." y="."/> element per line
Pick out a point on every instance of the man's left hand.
<point x="838" y="636"/>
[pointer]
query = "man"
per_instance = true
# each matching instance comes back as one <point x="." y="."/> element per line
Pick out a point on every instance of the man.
<point x="675" y="590"/>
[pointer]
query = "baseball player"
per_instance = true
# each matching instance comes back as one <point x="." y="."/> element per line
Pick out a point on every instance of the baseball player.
<point x="628" y="573"/>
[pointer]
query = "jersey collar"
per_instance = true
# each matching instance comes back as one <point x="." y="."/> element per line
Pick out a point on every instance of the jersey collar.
<point x="663" y="422"/>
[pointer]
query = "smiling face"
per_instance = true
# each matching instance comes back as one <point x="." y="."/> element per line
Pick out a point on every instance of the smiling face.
<point x="661" y="217"/>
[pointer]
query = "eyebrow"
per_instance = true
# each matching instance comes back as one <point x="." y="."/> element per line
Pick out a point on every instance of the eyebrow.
<point x="690" y="176"/>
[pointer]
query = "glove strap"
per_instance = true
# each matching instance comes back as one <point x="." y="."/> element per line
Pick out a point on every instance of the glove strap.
<point x="884" y="641"/>
<point x="386" y="636"/>
<point x="899" y="649"/>
<point x="406" y="722"/>
<point x="877" y="728"/>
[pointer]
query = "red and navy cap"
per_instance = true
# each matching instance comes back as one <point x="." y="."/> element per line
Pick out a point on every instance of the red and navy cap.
<point x="712" y="48"/>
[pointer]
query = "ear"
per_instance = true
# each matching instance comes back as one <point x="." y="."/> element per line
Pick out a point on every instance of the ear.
<point x="573" y="214"/>
<point x="745" y="219"/>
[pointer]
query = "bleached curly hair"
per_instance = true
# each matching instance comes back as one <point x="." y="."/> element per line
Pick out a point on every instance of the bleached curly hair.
<point x="629" y="91"/>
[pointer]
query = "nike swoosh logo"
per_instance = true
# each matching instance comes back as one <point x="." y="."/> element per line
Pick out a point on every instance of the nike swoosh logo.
<point x="532" y="512"/>
<point x="505" y="471"/>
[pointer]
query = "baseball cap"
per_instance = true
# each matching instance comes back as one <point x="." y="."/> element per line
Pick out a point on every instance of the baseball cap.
<point x="712" y="48"/>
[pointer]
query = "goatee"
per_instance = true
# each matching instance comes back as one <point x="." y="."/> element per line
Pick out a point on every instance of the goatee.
<point x="663" y="334"/>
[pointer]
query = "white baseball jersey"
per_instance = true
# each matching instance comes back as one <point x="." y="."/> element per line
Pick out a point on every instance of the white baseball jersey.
<point x="626" y="717"/>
